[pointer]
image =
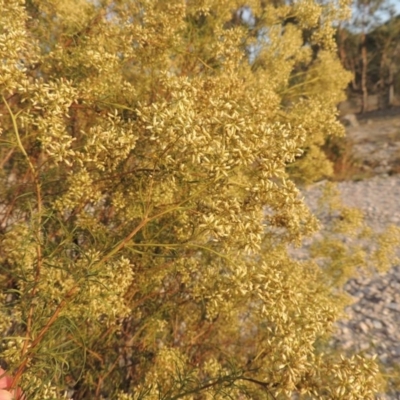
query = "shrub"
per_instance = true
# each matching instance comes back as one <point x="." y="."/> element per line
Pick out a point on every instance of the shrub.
<point x="147" y="200"/>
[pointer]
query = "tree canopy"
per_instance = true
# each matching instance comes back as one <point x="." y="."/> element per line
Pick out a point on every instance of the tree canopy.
<point x="369" y="48"/>
<point x="151" y="153"/>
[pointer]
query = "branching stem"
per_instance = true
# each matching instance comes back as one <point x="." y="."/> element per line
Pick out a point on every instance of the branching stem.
<point x="39" y="256"/>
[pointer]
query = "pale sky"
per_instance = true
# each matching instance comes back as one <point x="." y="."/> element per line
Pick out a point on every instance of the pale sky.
<point x="383" y="16"/>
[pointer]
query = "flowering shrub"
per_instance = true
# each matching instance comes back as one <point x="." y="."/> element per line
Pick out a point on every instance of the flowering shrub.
<point x="150" y="156"/>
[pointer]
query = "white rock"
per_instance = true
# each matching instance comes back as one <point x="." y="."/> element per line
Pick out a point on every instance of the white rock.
<point x="364" y="327"/>
<point x="377" y="324"/>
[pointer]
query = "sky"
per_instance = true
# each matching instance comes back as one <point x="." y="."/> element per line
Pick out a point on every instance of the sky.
<point x="397" y="5"/>
<point x="383" y="16"/>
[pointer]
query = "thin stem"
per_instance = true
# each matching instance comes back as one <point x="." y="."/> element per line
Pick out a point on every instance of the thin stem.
<point x="298" y="85"/>
<point x="143" y="223"/>
<point x="6" y="158"/>
<point x="124" y="242"/>
<point x="103" y="378"/>
<point x="39" y="255"/>
<point x="228" y="379"/>
<point x="260" y="383"/>
<point x="41" y="334"/>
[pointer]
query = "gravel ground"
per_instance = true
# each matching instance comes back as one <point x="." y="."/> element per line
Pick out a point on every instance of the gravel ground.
<point x="373" y="324"/>
<point x="374" y="318"/>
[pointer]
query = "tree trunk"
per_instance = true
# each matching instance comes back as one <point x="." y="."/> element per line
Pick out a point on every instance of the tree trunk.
<point x="364" y="62"/>
<point x="342" y="47"/>
<point x="391" y="86"/>
<point x="354" y="83"/>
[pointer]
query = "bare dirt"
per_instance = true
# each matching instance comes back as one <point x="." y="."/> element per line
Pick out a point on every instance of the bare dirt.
<point x="376" y="142"/>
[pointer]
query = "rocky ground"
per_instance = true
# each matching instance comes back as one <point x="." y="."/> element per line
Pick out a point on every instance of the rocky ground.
<point x="374" y="318"/>
<point x="376" y="142"/>
<point x="373" y="323"/>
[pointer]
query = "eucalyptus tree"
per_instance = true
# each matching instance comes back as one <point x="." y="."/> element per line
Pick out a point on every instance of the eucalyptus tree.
<point x="367" y="16"/>
<point x="386" y="46"/>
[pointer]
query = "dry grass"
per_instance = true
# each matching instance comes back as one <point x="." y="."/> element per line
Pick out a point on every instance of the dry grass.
<point x="346" y="165"/>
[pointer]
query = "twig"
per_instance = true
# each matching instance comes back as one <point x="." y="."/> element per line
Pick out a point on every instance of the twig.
<point x="38" y="232"/>
<point x="41" y="334"/>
